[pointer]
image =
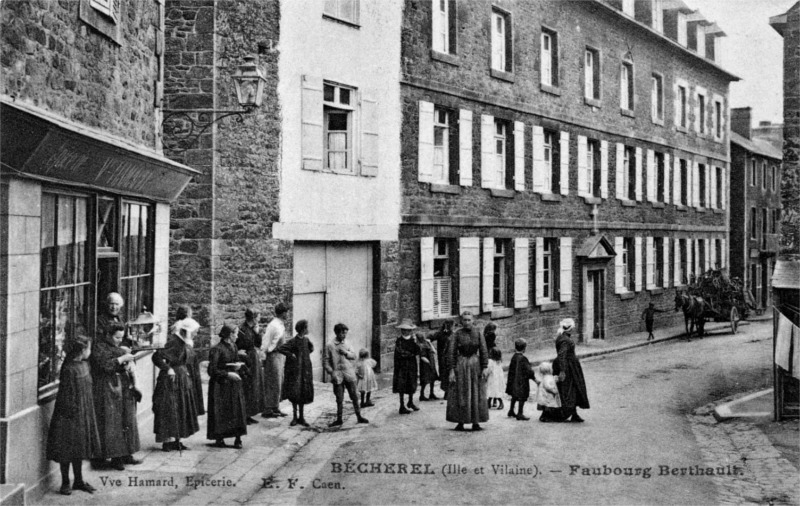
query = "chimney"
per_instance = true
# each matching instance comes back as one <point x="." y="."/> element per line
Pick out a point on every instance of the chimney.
<point x="741" y="120"/>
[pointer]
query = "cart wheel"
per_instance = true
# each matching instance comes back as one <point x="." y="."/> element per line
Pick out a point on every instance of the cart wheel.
<point x="734" y="319"/>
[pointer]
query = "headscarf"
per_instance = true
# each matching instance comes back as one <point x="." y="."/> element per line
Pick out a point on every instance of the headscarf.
<point x="566" y="325"/>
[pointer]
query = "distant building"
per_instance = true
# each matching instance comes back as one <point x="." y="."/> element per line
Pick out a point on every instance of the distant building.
<point x="770" y="132"/>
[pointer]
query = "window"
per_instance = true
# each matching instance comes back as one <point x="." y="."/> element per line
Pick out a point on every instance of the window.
<point x="104" y="6"/>
<point x="500" y="152"/>
<point x="440" y="132"/>
<point x="343" y="10"/>
<point x="658" y="267"/>
<point x="437" y="261"/>
<point x="500" y="273"/>
<point x="718" y="253"/>
<point x="629" y="173"/>
<point x="701" y="114"/>
<point x="442" y="281"/>
<point x="443" y="30"/>
<point x="701" y="171"/>
<point x="684" y="261"/>
<point x="626" y="86"/>
<point x="593" y="168"/>
<point x="718" y="119"/>
<point x="657" y="99"/>
<point x="753" y="224"/>
<point x="657" y="15"/>
<point x="753" y="172"/>
<point x="701" y="255"/>
<point x="592" y="74"/>
<point x="684" y="183"/>
<point x="774" y="178"/>
<point x="681" y="106"/>
<point x="338" y="134"/>
<point x="441" y="146"/>
<point x="776" y="218"/>
<point x="501" y="41"/>
<point x="628" y="7"/>
<point x="661" y="177"/>
<point x="718" y="194"/>
<point x="552" y="162"/>
<point x="136" y="280"/>
<point x="628" y="264"/>
<point x="764" y="175"/>
<point x="764" y="227"/>
<point x="549" y="58"/>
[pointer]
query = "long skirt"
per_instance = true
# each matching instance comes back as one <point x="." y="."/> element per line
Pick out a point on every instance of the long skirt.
<point x="174" y="406"/>
<point x="573" y="388"/>
<point x="466" y="398"/>
<point x="496" y="384"/>
<point x="226" y="410"/>
<point x="115" y="408"/>
<point x="273" y="380"/>
<point x="254" y="388"/>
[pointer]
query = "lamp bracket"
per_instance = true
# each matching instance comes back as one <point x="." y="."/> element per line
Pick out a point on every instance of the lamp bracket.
<point x="194" y="122"/>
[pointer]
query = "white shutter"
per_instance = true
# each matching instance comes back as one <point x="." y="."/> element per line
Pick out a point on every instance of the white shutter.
<point x="582" y="148"/>
<point x="604" y="169"/>
<point x="619" y="274"/>
<point x="713" y="187"/>
<point x="469" y="274"/>
<point x="665" y="260"/>
<point x="311" y="120"/>
<point x="709" y="168"/>
<point x="465" y="147"/>
<point x="487" y="275"/>
<point x="487" y="152"/>
<point x="637" y="241"/>
<point x="426" y="277"/>
<point x="639" y="177"/>
<point x="713" y="254"/>
<point x="650" y="263"/>
<point x="565" y="267"/>
<point x="676" y="262"/>
<point x="370" y="149"/>
<point x="538" y="160"/>
<point x="539" y="281"/>
<point x="676" y="182"/>
<point x="521" y="269"/>
<point x="665" y="182"/>
<point x="425" y="163"/>
<point x="709" y="265"/>
<point x="621" y="172"/>
<point x="519" y="156"/>
<point x="723" y="199"/>
<point x="651" y="176"/>
<point x="696" y="184"/>
<point x="564" y="154"/>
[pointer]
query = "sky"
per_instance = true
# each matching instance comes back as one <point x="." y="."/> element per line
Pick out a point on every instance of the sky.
<point x="752" y="50"/>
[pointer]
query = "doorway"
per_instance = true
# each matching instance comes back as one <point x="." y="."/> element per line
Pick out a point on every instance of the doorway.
<point x="594" y="304"/>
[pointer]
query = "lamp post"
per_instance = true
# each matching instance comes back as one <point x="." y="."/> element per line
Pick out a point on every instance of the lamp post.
<point x="249" y="83"/>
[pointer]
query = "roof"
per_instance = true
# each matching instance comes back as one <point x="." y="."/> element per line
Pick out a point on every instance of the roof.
<point x="779" y="22"/>
<point x="757" y="146"/>
<point x="786" y="274"/>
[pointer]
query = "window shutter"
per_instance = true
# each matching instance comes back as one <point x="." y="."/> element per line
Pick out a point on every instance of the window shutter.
<point x="692" y="263"/>
<point x="639" y="175"/>
<point x="465" y="147"/>
<point x="425" y="164"/>
<point x="696" y="184"/>
<point x="650" y="263"/>
<point x="619" y="279"/>
<point x="488" y="273"/>
<point x="487" y="151"/>
<point x="637" y="241"/>
<point x="311" y="120"/>
<point x="620" y="194"/>
<point x="713" y="187"/>
<point x="564" y="154"/>
<point x="582" y="152"/>
<point x="588" y="74"/>
<point x="676" y="181"/>
<point x="665" y="182"/>
<point x="723" y="199"/>
<point x="370" y="149"/>
<point x="539" y="281"/>
<point x="426" y="277"/>
<point x="519" y="156"/>
<point x="604" y="169"/>
<point x="651" y="176"/>
<point x="723" y="262"/>
<point x="665" y="260"/>
<point x="713" y="254"/>
<point x="676" y="262"/>
<point x="547" y="60"/>
<point x="709" y="265"/>
<point x="707" y="176"/>
<point x="565" y="267"/>
<point x="521" y="269"/>
<point x="538" y="160"/>
<point x="469" y="274"/>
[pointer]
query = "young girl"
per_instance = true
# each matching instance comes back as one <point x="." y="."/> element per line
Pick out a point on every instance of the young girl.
<point x="496" y="382"/>
<point x="427" y="366"/>
<point x="547" y="399"/>
<point x="298" y="374"/>
<point x="365" y="370"/>
<point x="73" y="432"/>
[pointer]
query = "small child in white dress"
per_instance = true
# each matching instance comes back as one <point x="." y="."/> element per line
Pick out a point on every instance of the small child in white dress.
<point x="496" y="383"/>
<point x="548" y="401"/>
<point x="365" y="372"/>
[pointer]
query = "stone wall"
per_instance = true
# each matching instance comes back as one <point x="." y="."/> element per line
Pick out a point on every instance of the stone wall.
<point x="790" y="186"/>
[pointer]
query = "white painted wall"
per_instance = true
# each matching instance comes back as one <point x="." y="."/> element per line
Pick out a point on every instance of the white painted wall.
<point x="326" y="206"/>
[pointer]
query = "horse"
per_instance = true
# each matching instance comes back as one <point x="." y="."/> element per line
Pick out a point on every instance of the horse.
<point x="693" y="312"/>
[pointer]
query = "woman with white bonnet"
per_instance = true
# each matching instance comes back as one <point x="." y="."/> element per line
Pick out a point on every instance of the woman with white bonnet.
<point x="571" y="386"/>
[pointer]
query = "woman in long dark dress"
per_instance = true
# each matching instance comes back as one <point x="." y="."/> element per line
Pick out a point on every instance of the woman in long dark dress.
<point x="571" y="386"/>
<point x="427" y="366"/>
<point x="249" y="341"/>
<point x="184" y="320"/>
<point x="227" y="416"/>
<point x="73" y="434"/>
<point x="298" y="376"/>
<point x="173" y="398"/>
<point x="468" y="362"/>
<point x="114" y="399"/>
<point x="442" y="338"/>
<point x="404" y="379"/>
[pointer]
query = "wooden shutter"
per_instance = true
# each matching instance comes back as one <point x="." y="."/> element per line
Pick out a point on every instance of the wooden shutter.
<point x="539" y="281"/>
<point x="488" y="274"/>
<point x="465" y="147"/>
<point x="604" y="169"/>
<point x="723" y="199"/>
<point x="665" y="182"/>
<point x="487" y="152"/>
<point x="519" y="156"/>
<point x="564" y="155"/>
<point x="565" y="268"/>
<point x="650" y="264"/>
<point x="619" y="278"/>
<point x="521" y="269"/>
<point x="469" y="274"/>
<point x="311" y="119"/>
<point x="651" y="176"/>
<point x="676" y="262"/>
<point x="637" y="241"/>
<point x="370" y="148"/>
<point x="426" y="277"/>
<point x="676" y="181"/>
<point x="582" y="152"/>
<point x="538" y="160"/>
<point x="620" y="194"/>
<point x="425" y="163"/>
<point x="665" y="260"/>
<point x="713" y="187"/>
<point x="639" y="175"/>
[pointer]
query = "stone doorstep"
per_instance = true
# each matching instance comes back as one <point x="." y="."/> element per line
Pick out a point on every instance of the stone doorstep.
<point x="12" y="493"/>
<point x="747" y="407"/>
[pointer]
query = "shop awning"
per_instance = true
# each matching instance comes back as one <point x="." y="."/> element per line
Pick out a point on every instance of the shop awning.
<point x="40" y="145"/>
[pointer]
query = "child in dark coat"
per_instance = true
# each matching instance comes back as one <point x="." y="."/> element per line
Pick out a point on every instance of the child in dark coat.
<point x="520" y="372"/>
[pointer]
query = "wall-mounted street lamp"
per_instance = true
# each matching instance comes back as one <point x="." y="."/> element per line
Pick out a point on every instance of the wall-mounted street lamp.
<point x="249" y="83"/>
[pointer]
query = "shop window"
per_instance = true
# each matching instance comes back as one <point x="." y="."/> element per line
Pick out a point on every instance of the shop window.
<point x="136" y="262"/>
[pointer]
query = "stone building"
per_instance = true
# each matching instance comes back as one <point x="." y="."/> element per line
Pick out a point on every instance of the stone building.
<point x="755" y="208"/>
<point x="560" y="159"/>
<point x="84" y="201"/>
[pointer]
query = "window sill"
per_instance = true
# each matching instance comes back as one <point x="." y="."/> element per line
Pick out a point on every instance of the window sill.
<point x="682" y="208"/>
<point x="591" y="199"/>
<point x="682" y="130"/>
<point x="700" y="209"/>
<point x="658" y="205"/>
<point x="627" y="203"/>
<point x="100" y="22"/>
<point x="626" y="295"/>
<point x="551" y="197"/>
<point x="341" y="21"/>
<point x="502" y="75"/>
<point x="549" y="306"/>
<point x="656" y="291"/>
<point x="627" y="112"/>
<point x="448" y="58"/>
<point x="553" y="90"/>
<point x="718" y="211"/>
<point x="445" y="188"/>
<point x="659" y="122"/>
<point x="505" y="312"/>
<point x="502" y="193"/>
<point x="593" y="102"/>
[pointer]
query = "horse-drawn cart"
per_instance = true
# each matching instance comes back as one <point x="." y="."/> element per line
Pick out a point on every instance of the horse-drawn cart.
<point x="714" y="296"/>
